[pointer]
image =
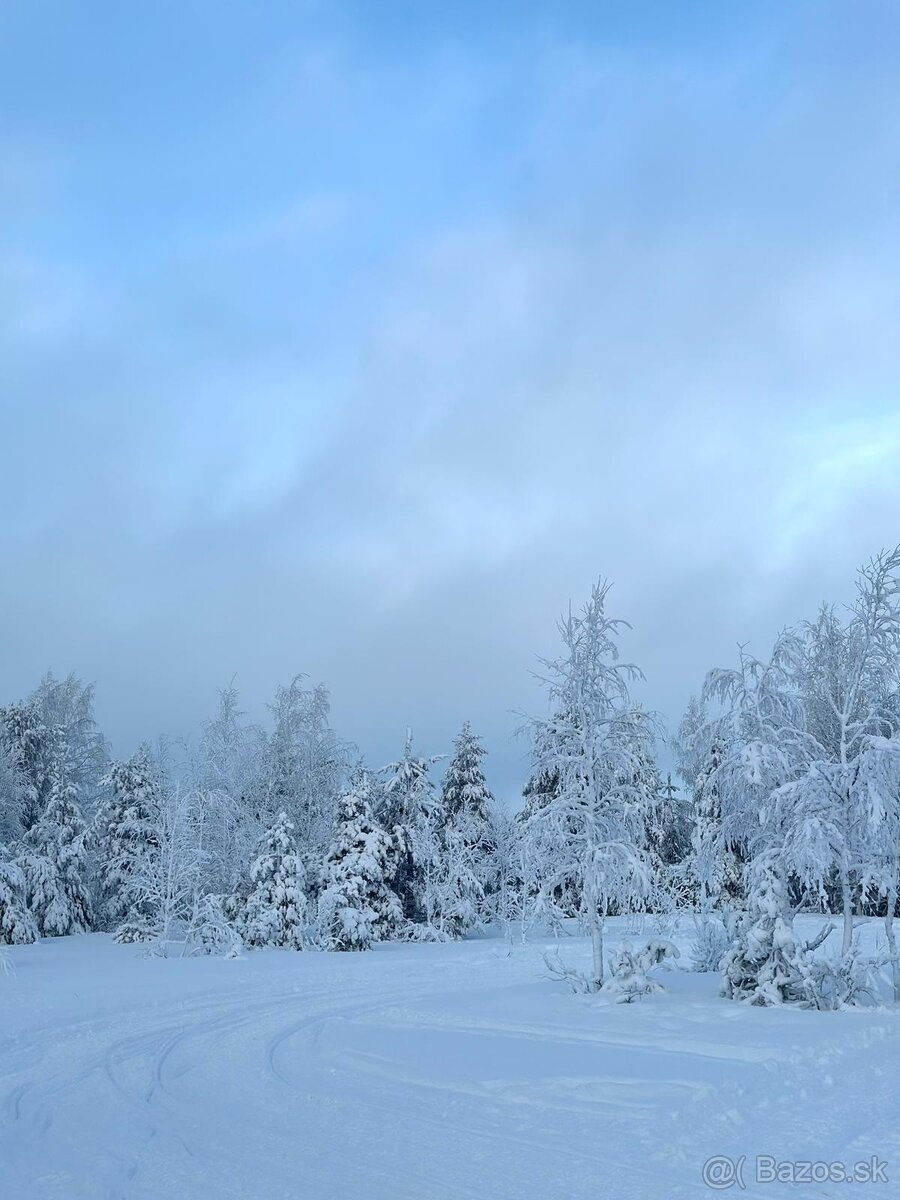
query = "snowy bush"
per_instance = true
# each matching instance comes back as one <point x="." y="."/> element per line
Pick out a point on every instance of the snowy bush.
<point x="836" y="981"/>
<point x="135" y="930"/>
<point x="712" y="941"/>
<point x="212" y="932"/>
<point x="766" y="966"/>
<point x="629" y="976"/>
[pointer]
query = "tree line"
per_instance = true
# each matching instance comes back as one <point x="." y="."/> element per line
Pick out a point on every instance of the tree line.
<point x="789" y="801"/>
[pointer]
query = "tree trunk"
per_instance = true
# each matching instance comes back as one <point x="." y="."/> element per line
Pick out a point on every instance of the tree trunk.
<point x="847" y="904"/>
<point x="597" y="948"/>
<point x="595" y="924"/>
<point x="889" y="931"/>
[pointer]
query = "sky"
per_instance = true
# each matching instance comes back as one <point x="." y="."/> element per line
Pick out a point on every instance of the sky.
<point x="357" y="339"/>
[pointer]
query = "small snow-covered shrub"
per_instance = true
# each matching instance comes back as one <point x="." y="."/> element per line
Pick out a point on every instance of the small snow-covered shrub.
<point x="343" y="921"/>
<point x="634" y="922"/>
<point x="712" y="941"/>
<point x="841" y="981"/>
<point x="629" y="970"/>
<point x="134" y="931"/>
<point x="577" y="980"/>
<point x="213" y="933"/>
<point x="411" y="931"/>
<point x="766" y="966"/>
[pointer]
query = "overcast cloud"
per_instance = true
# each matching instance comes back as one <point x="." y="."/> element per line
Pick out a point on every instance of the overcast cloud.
<point x="356" y="339"/>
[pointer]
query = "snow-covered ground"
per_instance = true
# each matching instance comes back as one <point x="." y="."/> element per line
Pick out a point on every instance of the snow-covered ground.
<point x="415" y="1071"/>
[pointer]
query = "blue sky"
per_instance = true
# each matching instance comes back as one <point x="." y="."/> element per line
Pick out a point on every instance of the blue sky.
<point x="356" y="339"/>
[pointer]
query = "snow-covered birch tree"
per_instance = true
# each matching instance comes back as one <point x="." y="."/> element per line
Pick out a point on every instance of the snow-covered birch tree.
<point x="305" y="765"/>
<point x="593" y="743"/>
<point x="163" y="888"/>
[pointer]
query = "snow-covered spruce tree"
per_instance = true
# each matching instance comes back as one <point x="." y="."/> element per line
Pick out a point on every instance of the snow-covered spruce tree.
<point x="714" y="865"/>
<point x="595" y="740"/>
<point x="464" y="792"/>
<point x="467" y="870"/>
<point x="126" y="831"/>
<point x="356" y="905"/>
<point x="31" y="748"/>
<point x="539" y="791"/>
<point x="767" y="966"/>
<point x="661" y="817"/>
<point x="275" y="912"/>
<point x="13" y="796"/>
<point x="410" y="811"/>
<point x="54" y="866"/>
<point x="673" y="823"/>
<point x="17" y="925"/>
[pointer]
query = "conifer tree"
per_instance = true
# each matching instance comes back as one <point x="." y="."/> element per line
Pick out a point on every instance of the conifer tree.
<point x="357" y="905"/>
<point x="766" y="965"/>
<point x="275" y="910"/>
<point x="713" y="862"/>
<point x="465" y="791"/>
<point x="466" y="871"/>
<point x="31" y="747"/>
<point x="13" y="795"/>
<point x="55" y="867"/>
<point x="17" y="926"/>
<point x="126" y="831"/>
<point x="410" y="812"/>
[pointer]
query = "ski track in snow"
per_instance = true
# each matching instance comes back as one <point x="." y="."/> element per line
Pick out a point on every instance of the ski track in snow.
<point x="419" y="1072"/>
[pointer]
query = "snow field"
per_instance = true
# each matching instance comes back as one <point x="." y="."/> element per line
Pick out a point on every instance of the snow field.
<point x="425" y="1072"/>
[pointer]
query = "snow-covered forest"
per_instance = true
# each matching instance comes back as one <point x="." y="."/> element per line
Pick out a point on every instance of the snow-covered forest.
<point x="450" y="673"/>
<point x="253" y="965"/>
<point x="786" y="801"/>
